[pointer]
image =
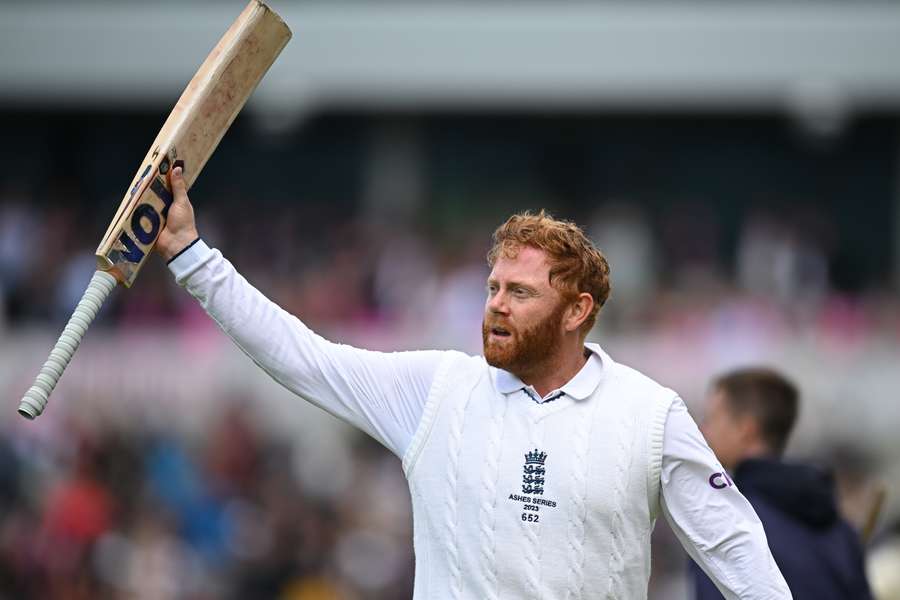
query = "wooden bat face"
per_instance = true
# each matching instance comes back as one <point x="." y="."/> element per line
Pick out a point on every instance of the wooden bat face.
<point x="201" y="117"/>
<point x="133" y="238"/>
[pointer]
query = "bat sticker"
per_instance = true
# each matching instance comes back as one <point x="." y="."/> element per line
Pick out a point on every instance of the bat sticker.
<point x="137" y="184"/>
<point x="163" y="194"/>
<point x="132" y="253"/>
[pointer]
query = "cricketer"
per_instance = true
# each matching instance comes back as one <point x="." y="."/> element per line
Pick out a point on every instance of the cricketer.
<point x="536" y="470"/>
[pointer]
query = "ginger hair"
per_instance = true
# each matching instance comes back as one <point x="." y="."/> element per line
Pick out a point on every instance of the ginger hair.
<point x="576" y="265"/>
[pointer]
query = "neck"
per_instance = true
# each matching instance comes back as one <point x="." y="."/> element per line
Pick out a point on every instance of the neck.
<point x="753" y="449"/>
<point x="556" y="371"/>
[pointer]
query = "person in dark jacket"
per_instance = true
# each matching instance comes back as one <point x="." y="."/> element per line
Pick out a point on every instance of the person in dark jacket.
<point x="749" y="417"/>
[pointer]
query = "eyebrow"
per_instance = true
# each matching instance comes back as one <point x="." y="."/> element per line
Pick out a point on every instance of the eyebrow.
<point x="512" y="284"/>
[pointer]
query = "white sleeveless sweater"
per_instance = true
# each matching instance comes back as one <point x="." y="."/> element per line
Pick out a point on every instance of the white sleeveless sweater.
<point x="518" y="500"/>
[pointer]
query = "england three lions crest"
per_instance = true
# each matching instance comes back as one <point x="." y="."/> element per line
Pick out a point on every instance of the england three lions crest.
<point x="534" y="473"/>
<point x="532" y="499"/>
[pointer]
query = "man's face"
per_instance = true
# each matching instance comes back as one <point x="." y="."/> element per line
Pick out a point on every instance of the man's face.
<point x="725" y="432"/>
<point x="523" y="315"/>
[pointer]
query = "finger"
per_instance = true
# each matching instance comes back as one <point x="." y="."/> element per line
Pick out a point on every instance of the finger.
<point x="176" y="182"/>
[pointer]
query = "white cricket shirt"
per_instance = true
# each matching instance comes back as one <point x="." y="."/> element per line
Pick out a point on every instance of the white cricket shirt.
<point x="384" y="394"/>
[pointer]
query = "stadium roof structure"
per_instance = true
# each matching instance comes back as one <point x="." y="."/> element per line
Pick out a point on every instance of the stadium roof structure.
<point x="818" y="56"/>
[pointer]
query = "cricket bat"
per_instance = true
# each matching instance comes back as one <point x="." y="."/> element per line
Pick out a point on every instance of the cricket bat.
<point x="201" y="117"/>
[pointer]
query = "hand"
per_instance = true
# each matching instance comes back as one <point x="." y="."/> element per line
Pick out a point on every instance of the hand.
<point x="181" y="228"/>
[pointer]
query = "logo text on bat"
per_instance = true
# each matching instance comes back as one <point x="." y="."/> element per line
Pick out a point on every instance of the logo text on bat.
<point x="145" y="223"/>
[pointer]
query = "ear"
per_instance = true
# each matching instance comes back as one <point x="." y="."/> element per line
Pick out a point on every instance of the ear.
<point x="578" y="311"/>
<point x="748" y="430"/>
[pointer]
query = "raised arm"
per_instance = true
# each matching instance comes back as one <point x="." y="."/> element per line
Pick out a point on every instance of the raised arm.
<point x="382" y="394"/>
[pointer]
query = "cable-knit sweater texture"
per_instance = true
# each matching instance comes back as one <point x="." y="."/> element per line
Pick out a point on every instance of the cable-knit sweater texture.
<point x="514" y="499"/>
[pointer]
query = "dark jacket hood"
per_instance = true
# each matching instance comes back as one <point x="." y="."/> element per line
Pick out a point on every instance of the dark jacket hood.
<point x="804" y="492"/>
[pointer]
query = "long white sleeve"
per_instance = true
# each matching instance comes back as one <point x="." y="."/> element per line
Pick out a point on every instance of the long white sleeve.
<point x="715" y="524"/>
<point x="381" y="393"/>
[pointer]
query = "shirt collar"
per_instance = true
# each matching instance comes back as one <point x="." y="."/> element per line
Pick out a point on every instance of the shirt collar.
<point x="579" y="387"/>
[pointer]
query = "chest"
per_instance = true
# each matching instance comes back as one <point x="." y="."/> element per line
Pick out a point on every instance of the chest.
<point x="533" y="467"/>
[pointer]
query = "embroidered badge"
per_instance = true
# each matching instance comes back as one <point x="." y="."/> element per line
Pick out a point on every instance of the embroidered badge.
<point x="534" y="476"/>
<point x="533" y="479"/>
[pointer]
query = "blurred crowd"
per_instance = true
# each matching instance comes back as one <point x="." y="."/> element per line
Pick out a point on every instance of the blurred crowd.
<point x="381" y="276"/>
<point x="130" y="513"/>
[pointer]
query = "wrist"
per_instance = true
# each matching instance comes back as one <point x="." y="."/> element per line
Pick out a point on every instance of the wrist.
<point x="178" y="244"/>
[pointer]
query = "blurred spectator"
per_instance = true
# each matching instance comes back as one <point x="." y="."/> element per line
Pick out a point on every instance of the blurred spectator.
<point x="749" y="418"/>
<point x="18" y="224"/>
<point x="691" y="233"/>
<point x="405" y="270"/>
<point x="774" y="259"/>
<point x="623" y="233"/>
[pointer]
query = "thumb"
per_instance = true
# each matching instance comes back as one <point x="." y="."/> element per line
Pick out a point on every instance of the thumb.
<point x="181" y="229"/>
<point x="177" y="183"/>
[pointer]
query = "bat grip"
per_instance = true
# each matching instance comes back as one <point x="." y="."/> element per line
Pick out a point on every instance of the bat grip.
<point x="36" y="397"/>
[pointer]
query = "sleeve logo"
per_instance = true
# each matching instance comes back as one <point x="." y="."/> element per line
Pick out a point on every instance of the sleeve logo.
<point x="720" y="480"/>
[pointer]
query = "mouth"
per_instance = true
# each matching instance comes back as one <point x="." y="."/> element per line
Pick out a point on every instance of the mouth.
<point x="500" y="332"/>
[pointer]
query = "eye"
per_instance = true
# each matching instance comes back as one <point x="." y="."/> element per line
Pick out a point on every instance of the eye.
<point x="521" y="292"/>
<point x="492" y="288"/>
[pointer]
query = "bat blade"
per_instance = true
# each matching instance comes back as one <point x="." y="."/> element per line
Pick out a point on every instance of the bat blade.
<point x="200" y="118"/>
<point x="202" y="115"/>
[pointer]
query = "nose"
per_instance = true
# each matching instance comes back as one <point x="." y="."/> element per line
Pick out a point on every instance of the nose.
<point x="497" y="305"/>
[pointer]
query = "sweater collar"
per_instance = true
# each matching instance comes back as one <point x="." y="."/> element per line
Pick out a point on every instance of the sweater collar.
<point x="579" y="387"/>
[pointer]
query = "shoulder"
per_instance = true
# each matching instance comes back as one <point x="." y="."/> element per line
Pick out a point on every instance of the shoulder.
<point x="632" y="383"/>
<point x="454" y="359"/>
<point x="458" y="367"/>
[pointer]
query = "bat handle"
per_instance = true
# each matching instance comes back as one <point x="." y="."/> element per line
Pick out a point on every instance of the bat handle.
<point x="36" y="397"/>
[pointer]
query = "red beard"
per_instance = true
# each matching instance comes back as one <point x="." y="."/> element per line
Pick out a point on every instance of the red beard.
<point x="523" y="352"/>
